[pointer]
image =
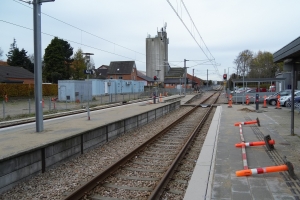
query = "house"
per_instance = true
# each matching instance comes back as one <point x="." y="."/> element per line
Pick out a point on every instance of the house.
<point x="12" y="74"/>
<point x="101" y="72"/>
<point x="125" y="70"/>
<point x="174" y="82"/>
<point x="197" y="82"/>
<point x="142" y="77"/>
<point x="175" y="77"/>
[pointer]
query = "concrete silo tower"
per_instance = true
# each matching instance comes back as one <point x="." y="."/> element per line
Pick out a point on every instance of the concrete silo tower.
<point x="157" y="54"/>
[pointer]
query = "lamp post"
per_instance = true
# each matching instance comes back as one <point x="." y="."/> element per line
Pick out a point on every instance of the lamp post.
<point x="243" y="84"/>
<point x="228" y="83"/>
<point x="185" y="76"/>
<point x="87" y="57"/>
<point x="157" y="75"/>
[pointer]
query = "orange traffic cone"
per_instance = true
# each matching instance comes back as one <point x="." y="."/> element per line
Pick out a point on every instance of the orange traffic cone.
<point x="247" y="99"/>
<point x="248" y="122"/>
<point x="278" y="103"/>
<point x="230" y="101"/>
<point x="6" y="98"/>
<point x="265" y="102"/>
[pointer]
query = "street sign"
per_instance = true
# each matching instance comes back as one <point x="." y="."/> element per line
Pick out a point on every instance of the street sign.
<point x="88" y="71"/>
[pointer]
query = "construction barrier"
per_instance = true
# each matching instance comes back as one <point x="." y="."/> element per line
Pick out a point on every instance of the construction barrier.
<point x="267" y="142"/>
<point x="286" y="167"/>
<point x="249" y="172"/>
<point x="258" y="143"/>
<point x="244" y="155"/>
<point x="248" y="122"/>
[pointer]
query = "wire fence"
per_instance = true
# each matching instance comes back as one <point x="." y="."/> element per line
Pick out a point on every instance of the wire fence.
<point x="20" y="108"/>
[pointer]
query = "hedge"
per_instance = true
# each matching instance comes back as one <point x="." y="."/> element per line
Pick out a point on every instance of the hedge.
<point x="26" y="90"/>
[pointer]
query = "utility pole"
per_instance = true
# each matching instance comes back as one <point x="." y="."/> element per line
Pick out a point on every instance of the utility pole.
<point x="38" y="63"/>
<point x="193" y="81"/>
<point x="207" y="79"/>
<point x="185" y="76"/>
<point x="180" y="86"/>
<point x="87" y="57"/>
<point x="157" y="75"/>
<point x="228" y="75"/>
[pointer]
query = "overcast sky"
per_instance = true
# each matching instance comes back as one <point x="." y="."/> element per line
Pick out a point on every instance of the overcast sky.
<point x="116" y="30"/>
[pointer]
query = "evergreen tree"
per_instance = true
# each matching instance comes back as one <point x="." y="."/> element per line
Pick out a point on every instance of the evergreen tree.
<point x="57" y="60"/>
<point x="18" y="58"/>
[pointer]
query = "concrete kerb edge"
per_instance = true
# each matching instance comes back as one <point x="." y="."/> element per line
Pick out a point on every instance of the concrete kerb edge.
<point x="211" y="174"/>
<point x="193" y="191"/>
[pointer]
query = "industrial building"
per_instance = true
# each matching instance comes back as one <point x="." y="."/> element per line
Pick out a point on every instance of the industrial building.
<point x="157" y="63"/>
<point x="157" y="55"/>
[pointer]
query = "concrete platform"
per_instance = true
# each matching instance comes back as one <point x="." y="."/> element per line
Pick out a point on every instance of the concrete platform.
<point x="214" y="176"/>
<point x="25" y="152"/>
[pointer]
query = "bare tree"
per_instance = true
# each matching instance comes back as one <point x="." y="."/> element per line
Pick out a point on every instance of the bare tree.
<point x="1" y="53"/>
<point x="243" y="62"/>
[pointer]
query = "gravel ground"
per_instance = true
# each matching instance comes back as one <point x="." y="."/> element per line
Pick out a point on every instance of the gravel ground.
<point x="177" y="186"/>
<point x="57" y="181"/>
<point x="113" y="186"/>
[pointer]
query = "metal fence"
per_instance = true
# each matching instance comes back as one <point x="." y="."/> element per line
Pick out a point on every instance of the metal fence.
<point x="19" y="108"/>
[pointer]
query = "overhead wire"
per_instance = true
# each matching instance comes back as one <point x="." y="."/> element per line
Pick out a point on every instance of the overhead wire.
<point x="17" y="1"/>
<point x="213" y="63"/>
<point x="210" y="56"/>
<point x="72" y="41"/>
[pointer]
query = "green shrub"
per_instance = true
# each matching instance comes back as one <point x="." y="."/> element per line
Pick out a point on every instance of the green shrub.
<point x="26" y="90"/>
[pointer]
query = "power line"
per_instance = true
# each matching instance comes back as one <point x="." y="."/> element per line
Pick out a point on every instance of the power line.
<point x="73" y="41"/>
<point x="17" y="1"/>
<point x="210" y="56"/>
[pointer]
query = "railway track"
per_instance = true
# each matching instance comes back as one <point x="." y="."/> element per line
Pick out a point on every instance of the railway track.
<point x="145" y="172"/>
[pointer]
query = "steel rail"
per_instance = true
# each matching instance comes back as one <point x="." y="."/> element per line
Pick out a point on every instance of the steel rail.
<point x="82" y="190"/>
<point x="159" y="189"/>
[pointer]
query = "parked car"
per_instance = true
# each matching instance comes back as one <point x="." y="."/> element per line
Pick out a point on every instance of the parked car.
<point x="235" y="89"/>
<point x="252" y="90"/>
<point x="296" y="101"/>
<point x="284" y="99"/>
<point x="241" y="90"/>
<point x="272" y="99"/>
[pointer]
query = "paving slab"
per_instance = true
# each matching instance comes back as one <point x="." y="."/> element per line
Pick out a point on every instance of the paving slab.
<point x="224" y="184"/>
<point x="277" y="124"/>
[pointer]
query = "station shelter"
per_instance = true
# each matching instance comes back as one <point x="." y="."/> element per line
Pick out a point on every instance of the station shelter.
<point x="290" y="56"/>
<point x="279" y="83"/>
